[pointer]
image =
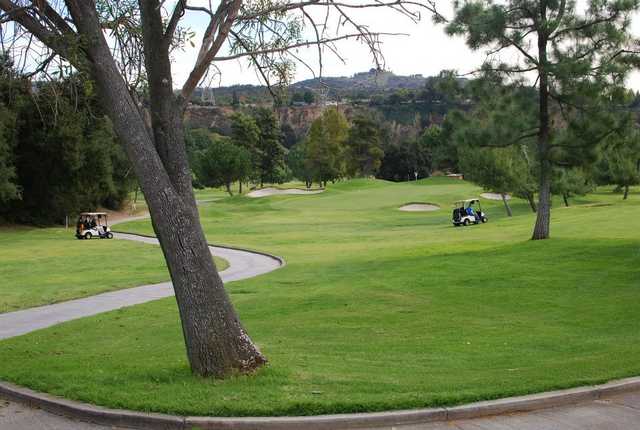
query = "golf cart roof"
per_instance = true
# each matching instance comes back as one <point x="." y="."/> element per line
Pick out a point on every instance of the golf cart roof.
<point x="468" y="201"/>
<point x="92" y="213"/>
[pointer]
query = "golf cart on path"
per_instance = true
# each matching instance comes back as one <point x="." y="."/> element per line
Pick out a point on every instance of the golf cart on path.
<point x="92" y="224"/>
<point x="465" y="213"/>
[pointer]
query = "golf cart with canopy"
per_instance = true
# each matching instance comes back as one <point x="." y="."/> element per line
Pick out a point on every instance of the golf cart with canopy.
<point x="468" y="212"/>
<point x="92" y="224"/>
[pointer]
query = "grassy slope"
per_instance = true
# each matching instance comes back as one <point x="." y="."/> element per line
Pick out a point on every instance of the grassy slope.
<point x="375" y="309"/>
<point x="42" y="266"/>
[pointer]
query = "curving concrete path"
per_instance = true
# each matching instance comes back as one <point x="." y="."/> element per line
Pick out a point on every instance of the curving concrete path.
<point x="243" y="264"/>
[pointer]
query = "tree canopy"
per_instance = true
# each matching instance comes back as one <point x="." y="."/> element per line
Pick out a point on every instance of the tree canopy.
<point x="579" y="54"/>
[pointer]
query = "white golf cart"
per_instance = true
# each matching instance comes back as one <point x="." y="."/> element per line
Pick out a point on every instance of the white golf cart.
<point x="468" y="212"/>
<point x="93" y="224"/>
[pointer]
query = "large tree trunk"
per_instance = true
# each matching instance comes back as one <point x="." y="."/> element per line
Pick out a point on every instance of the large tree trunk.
<point x="216" y="342"/>
<point x="228" y="186"/>
<point x="543" y="219"/>
<point x="626" y="192"/>
<point x="566" y="199"/>
<point x="240" y="187"/>
<point x="506" y="204"/>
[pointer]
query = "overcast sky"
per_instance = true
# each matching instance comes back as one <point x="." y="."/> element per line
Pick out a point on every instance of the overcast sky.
<point x="425" y="50"/>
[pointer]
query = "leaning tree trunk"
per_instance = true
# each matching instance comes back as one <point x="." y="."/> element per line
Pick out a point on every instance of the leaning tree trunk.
<point x="626" y="192"/>
<point x="532" y="202"/>
<point x="216" y="343"/>
<point x="543" y="219"/>
<point x="506" y="204"/>
<point x="228" y="186"/>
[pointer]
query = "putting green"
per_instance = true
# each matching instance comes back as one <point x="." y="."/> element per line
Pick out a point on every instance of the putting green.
<point x="376" y="308"/>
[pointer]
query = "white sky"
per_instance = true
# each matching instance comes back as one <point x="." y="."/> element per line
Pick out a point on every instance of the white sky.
<point x="426" y="50"/>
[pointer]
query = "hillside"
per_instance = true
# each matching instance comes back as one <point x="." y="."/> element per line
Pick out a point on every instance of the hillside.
<point x="360" y="86"/>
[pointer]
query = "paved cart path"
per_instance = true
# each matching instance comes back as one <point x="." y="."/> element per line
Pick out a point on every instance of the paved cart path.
<point x="242" y="265"/>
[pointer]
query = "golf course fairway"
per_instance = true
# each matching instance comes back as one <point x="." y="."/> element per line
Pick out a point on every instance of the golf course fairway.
<point x="376" y="309"/>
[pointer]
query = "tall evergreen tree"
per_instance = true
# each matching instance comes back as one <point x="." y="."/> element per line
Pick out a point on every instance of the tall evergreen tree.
<point x="325" y="146"/>
<point x="271" y="163"/>
<point x="246" y="134"/>
<point x="364" y="147"/>
<point x="296" y="163"/>
<point x="580" y="58"/>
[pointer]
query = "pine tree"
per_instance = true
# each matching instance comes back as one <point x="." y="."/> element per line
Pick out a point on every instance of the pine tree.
<point x="579" y="58"/>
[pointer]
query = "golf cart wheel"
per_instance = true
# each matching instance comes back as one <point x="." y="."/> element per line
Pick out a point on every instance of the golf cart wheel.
<point x="466" y="222"/>
<point x="87" y="235"/>
<point x="109" y="235"/>
<point x="484" y="219"/>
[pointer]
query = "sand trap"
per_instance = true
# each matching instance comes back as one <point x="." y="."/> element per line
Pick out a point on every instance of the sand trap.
<point x="419" y="207"/>
<point x="264" y="192"/>
<point x="494" y="196"/>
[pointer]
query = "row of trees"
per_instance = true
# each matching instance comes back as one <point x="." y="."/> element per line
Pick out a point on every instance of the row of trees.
<point x="335" y="148"/>
<point x="579" y="54"/>
<point x="58" y="152"/>
<point x="490" y="148"/>
<point x="254" y="152"/>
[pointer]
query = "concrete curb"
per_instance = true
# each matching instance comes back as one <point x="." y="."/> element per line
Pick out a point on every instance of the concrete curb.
<point x="142" y="420"/>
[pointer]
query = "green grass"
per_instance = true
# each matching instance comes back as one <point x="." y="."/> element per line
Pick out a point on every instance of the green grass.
<point x="42" y="266"/>
<point x="376" y="309"/>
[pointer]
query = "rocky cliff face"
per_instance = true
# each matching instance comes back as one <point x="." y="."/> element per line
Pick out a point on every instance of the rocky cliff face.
<point x="212" y="117"/>
<point x="219" y="118"/>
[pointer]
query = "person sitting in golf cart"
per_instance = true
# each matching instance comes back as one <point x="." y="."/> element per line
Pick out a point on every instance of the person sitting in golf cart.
<point x="465" y="214"/>
<point x="93" y="224"/>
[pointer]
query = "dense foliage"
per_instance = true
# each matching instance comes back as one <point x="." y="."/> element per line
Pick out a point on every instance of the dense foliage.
<point x="222" y="163"/>
<point x="58" y="152"/>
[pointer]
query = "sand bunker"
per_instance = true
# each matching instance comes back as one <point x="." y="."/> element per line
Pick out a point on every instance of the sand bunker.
<point x="419" y="207"/>
<point x="494" y="196"/>
<point x="264" y="192"/>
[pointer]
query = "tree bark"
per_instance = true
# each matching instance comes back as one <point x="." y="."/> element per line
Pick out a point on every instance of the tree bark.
<point x="566" y="199"/>
<point x="543" y="219"/>
<point x="626" y="192"/>
<point x="506" y="204"/>
<point x="228" y="186"/>
<point x="216" y="343"/>
<point x="532" y="202"/>
<point x="240" y="187"/>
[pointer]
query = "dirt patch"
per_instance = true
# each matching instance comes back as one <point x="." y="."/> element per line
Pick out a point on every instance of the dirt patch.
<point x="494" y="196"/>
<point x="265" y="192"/>
<point x="419" y="207"/>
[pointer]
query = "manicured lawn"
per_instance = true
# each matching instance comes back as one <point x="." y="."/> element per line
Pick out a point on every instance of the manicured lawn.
<point x="42" y="266"/>
<point x="376" y="309"/>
